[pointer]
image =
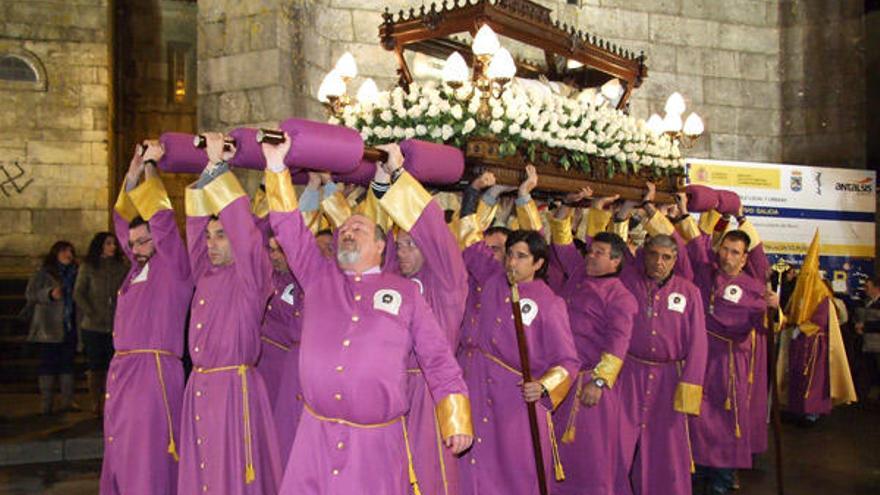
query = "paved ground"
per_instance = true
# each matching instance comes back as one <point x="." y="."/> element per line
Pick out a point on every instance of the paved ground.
<point x="838" y="456"/>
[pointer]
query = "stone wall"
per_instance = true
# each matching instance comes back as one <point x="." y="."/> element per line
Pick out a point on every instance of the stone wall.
<point x="56" y="132"/>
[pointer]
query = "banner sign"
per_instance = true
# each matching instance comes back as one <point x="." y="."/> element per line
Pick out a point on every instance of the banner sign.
<point x="788" y="203"/>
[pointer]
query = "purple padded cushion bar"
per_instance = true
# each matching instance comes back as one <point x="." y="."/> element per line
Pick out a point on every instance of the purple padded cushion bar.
<point x="701" y="198"/>
<point x="362" y="175"/>
<point x="432" y="163"/>
<point x="180" y="154"/>
<point x="318" y="146"/>
<point x="248" y="152"/>
<point x="728" y="202"/>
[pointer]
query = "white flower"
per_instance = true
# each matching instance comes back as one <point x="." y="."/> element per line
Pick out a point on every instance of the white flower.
<point x="421" y="130"/>
<point x="436" y="132"/>
<point x="447" y="132"/>
<point x="456" y="112"/>
<point x="621" y="157"/>
<point x="497" y="112"/>
<point x="433" y="111"/>
<point x="397" y="132"/>
<point x="496" y="126"/>
<point x="514" y="128"/>
<point x="333" y="121"/>
<point x="386" y="115"/>
<point x="469" y="125"/>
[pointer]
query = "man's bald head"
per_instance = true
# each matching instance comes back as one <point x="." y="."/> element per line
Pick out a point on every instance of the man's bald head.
<point x="361" y="244"/>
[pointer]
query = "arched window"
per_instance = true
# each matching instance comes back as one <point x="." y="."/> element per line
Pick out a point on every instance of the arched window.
<point x="13" y="68"/>
<point x="20" y="69"/>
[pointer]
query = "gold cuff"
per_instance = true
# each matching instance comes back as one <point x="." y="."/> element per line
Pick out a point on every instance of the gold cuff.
<point x="608" y="368"/>
<point x="124" y="206"/>
<point x="688" y="398"/>
<point x="222" y="191"/>
<point x="750" y="230"/>
<point x="371" y="209"/>
<point x="312" y="219"/>
<point x="405" y="201"/>
<point x="688" y="229"/>
<point x="708" y="220"/>
<point x="469" y="232"/>
<point x="620" y="228"/>
<point x="260" y="204"/>
<point x="336" y="208"/>
<point x="454" y="416"/>
<point x="528" y="216"/>
<point x="560" y="230"/>
<point x="280" y="191"/>
<point x="597" y="220"/>
<point x="659" y="224"/>
<point x="197" y="203"/>
<point x="485" y="214"/>
<point x="150" y="198"/>
<point x="557" y="382"/>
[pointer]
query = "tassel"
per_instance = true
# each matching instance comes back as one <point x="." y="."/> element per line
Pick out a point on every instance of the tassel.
<point x="568" y="436"/>
<point x="727" y="404"/>
<point x="738" y="432"/>
<point x="557" y="462"/>
<point x="693" y="467"/>
<point x="571" y="425"/>
<point x="172" y="449"/>
<point x="249" y="474"/>
<point x="413" y="481"/>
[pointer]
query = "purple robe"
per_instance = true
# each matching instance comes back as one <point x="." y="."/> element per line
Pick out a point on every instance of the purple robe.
<point x="601" y="311"/>
<point x="735" y="310"/>
<point x="145" y="389"/>
<point x="660" y="383"/>
<point x="279" y="358"/>
<point x="228" y="440"/>
<point x="359" y="334"/>
<point x="757" y="266"/>
<point x="501" y="459"/>
<point x="809" y="386"/>
<point x="443" y="283"/>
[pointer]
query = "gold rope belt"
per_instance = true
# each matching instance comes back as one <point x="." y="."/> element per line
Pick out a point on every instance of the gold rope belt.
<point x="413" y="481"/>
<point x="648" y="361"/>
<point x="551" y="432"/>
<point x="731" y="382"/>
<point x="249" y="472"/>
<point x="279" y="344"/>
<point x="810" y="366"/>
<point x="172" y="448"/>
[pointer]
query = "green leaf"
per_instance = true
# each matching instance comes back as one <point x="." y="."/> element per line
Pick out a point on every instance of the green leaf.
<point x="545" y="157"/>
<point x="565" y="163"/>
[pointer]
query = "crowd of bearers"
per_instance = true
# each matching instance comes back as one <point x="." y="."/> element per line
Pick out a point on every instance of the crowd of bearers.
<point x="366" y="341"/>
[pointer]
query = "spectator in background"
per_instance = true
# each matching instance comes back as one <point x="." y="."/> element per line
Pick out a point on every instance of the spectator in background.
<point x="53" y="323"/>
<point x="99" y="279"/>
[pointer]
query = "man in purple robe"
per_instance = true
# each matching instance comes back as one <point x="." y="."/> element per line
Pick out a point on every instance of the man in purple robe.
<point x="145" y="380"/>
<point x="228" y="440"/>
<point x="662" y="376"/>
<point x="601" y="310"/>
<point x="427" y="254"/>
<point x="361" y="327"/>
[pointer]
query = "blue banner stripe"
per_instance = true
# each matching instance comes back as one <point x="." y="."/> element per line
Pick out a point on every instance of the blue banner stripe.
<point x="846" y="216"/>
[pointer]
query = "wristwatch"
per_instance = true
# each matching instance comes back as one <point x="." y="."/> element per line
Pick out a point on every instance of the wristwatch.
<point x="600" y="382"/>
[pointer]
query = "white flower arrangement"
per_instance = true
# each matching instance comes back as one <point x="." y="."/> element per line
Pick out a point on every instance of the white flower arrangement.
<point x="523" y="120"/>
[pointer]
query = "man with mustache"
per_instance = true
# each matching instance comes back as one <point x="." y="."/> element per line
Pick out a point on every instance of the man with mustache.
<point x="145" y="379"/>
<point x="361" y="326"/>
<point x="227" y="431"/>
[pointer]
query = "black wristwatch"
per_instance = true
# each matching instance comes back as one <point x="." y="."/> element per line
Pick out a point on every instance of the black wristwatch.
<point x="600" y="382"/>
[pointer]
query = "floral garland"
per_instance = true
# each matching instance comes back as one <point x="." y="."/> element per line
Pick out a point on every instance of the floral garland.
<point x="526" y="118"/>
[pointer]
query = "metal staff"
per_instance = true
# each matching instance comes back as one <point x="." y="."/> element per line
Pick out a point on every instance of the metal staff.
<point x="779" y="267"/>
<point x="527" y="377"/>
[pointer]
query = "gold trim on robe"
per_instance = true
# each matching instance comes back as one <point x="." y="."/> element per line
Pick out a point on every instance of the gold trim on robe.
<point x="557" y="382"/>
<point x="280" y="191"/>
<point x="197" y="204"/>
<point x="485" y="214"/>
<point x="371" y="209"/>
<point x="688" y="229"/>
<point x="620" y="228"/>
<point x="405" y="201"/>
<point x="708" y="221"/>
<point x="659" y="224"/>
<point x="222" y="191"/>
<point x="260" y="204"/>
<point x="124" y="206"/>
<point x="688" y="398"/>
<point x="336" y="208"/>
<point x="454" y="416"/>
<point x="150" y="197"/>
<point x="469" y="232"/>
<point x="608" y="368"/>
<point x="527" y="216"/>
<point x="750" y="230"/>
<point x="597" y="221"/>
<point x="560" y="230"/>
